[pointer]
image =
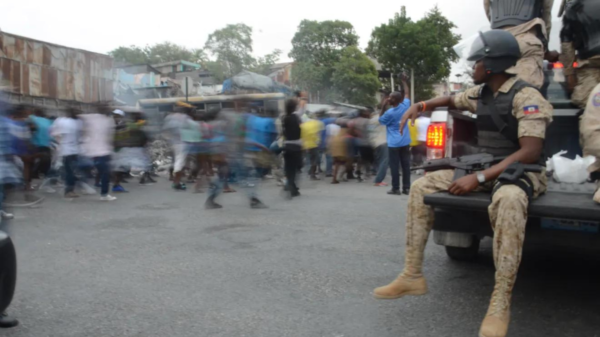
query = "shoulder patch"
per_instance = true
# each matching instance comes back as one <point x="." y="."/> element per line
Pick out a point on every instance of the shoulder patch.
<point x="531" y="109"/>
<point x="596" y="100"/>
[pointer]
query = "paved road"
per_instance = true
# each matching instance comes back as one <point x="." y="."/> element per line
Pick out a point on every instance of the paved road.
<point x="156" y="264"/>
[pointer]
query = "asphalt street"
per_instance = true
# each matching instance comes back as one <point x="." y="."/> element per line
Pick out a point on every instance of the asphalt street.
<point x="155" y="263"/>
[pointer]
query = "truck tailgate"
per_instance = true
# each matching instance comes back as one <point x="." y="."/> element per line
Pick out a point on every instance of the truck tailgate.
<point x="556" y="203"/>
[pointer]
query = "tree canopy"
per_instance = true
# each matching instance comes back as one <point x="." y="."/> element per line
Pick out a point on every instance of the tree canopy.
<point x="158" y="53"/>
<point x="355" y="78"/>
<point x="424" y="46"/>
<point x="229" y="48"/>
<point x="316" y="48"/>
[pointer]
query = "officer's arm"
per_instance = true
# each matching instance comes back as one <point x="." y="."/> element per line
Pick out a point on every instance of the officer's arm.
<point x="464" y="100"/>
<point x="486" y="7"/>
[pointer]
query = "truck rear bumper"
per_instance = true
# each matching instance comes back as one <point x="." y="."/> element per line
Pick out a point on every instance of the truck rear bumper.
<point x="572" y="206"/>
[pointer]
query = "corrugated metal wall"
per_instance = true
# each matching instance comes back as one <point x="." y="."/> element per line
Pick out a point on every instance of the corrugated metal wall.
<point x="40" y="69"/>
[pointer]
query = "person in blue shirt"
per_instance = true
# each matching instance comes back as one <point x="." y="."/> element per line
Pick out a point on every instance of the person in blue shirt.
<point x="41" y="141"/>
<point x="260" y="129"/>
<point x="398" y="143"/>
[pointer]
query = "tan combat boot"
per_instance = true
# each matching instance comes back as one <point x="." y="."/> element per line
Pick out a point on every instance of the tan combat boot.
<point x="405" y="284"/>
<point x="497" y="319"/>
<point x="597" y="195"/>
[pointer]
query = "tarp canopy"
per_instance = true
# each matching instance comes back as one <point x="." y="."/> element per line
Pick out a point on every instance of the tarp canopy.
<point x="247" y="80"/>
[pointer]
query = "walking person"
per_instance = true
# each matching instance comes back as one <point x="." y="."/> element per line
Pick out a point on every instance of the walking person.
<point x="98" y="134"/>
<point x="41" y="142"/>
<point x="292" y="147"/>
<point x="378" y="140"/>
<point x="360" y="130"/>
<point x="66" y="131"/>
<point x="310" y="133"/>
<point x="20" y="129"/>
<point x="398" y="143"/>
<point x="235" y="151"/>
<point x="173" y="125"/>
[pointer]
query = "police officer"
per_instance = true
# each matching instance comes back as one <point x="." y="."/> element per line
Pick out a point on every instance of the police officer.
<point x="512" y="117"/>
<point x="589" y="128"/>
<point x="531" y="25"/>
<point x="580" y="41"/>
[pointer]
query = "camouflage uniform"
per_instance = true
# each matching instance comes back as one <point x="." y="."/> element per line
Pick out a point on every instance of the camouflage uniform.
<point x="530" y="68"/>
<point x="589" y="128"/>
<point x="587" y="72"/>
<point x="508" y="210"/>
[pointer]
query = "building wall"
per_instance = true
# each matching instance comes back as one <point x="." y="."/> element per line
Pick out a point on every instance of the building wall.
<point x="283" y="75"/>
<point x="41" y="69"/>
<point x="137" y="80"/>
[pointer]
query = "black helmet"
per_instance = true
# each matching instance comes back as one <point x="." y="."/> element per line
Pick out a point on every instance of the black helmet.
<point x="498" y="49"/>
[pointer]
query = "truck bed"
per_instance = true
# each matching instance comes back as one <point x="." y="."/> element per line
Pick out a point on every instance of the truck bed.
<point x="562" y="201"/>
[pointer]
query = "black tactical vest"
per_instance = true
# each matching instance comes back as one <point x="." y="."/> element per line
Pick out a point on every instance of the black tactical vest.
<point x="497" y="127"/>
<point x="514" y="12"/>
<point x="584" y="16"/>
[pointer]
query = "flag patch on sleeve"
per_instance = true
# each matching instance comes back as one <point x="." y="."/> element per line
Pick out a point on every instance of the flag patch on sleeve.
<point x="532" y="109"/>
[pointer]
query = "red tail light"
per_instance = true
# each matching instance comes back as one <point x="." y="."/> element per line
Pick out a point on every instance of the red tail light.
<point x="558" y="65"/>
<point x="436" y="136"/>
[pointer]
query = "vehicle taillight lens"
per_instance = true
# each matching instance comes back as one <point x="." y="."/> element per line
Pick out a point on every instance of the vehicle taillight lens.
<point x="436" y="141"/>
<point x="436" y="136"/>
<point x="558" y="65"/>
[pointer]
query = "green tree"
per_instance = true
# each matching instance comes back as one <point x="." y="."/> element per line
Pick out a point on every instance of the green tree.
<point x="158" y="53"/>
<point x="129" y="55"/>
<point x="167" y="52"/>
<point x="232" y="48"/>
<point x="424" y="46"/>
<point x="355" y="78"/>
<point x="316" y="48"/>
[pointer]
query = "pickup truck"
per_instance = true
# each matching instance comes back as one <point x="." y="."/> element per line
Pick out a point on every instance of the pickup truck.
<point x="565" y="216"/>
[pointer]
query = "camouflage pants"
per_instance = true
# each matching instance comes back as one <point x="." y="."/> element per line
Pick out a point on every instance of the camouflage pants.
<point x="508" y="215"/>
<point x="530" y="67"/>
<point x="587" y="79"/>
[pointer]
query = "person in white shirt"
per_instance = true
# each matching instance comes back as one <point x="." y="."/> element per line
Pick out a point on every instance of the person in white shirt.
<point x="172" y="126"/>
<point x="98" y="136"/>
<point x="66" y="130"/>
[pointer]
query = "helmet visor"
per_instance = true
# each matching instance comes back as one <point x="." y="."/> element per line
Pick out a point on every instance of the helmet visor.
<point x="478" y="50"/>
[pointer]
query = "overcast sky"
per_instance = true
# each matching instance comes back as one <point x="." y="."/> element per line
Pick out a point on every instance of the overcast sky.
<point x="104" y="25"/>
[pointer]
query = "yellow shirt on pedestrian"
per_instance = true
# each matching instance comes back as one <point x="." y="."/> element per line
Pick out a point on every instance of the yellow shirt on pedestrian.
<point x="311" y="133"/>
<point x="414" y="134"/>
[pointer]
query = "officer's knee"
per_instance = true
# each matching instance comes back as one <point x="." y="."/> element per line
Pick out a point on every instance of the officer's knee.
<point x="510" y="196"/>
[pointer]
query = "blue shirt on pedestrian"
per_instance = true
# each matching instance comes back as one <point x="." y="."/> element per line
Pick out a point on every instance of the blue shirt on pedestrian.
<point x="391" y="119"/>
<point x="261" y="130"/>
<point x="41" y="137"/>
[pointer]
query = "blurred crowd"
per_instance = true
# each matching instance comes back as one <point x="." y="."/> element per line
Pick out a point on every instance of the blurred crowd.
<point x="101" y="150"/>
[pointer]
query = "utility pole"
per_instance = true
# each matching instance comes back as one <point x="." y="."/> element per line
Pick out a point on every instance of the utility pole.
<point x="186" y="89"/>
